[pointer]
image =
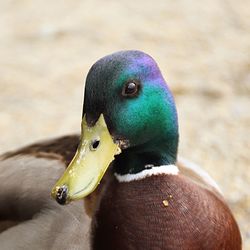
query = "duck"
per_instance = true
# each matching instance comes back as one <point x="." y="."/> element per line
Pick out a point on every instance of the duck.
<point x="129" y="121"/>
<point x="121" y="180"/>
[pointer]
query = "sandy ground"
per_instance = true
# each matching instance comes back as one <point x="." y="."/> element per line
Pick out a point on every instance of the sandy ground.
<point x="202" y="47"/>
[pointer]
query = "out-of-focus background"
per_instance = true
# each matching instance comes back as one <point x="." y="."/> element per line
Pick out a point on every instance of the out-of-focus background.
<point x="202" y="48"/>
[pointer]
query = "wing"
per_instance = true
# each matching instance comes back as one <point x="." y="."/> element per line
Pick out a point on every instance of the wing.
<point x="29" y="218"/>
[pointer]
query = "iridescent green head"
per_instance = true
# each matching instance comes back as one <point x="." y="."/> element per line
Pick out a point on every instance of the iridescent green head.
<point x="129" y="118"/>
<point x="128" y="88"/>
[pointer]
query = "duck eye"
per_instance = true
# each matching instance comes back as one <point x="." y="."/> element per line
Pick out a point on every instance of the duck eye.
<point x="94" y="145"/>
<point x="130" y="89"/>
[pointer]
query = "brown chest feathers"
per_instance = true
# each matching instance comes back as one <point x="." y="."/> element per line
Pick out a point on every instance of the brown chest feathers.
<point x="163" y="212"/>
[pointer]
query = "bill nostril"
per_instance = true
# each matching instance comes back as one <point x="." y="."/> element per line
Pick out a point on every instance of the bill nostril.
<point x="94" y="145"/>
<point x="61" y="195"/>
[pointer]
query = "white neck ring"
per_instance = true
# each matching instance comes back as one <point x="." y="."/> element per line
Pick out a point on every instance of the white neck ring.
<point x="155" y="170"/>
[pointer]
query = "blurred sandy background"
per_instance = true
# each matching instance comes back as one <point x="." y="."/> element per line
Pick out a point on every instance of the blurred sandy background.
<point x="202" y="47"/>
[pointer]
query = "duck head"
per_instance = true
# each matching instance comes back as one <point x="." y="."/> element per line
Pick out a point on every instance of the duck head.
<point x="129" y="118"/>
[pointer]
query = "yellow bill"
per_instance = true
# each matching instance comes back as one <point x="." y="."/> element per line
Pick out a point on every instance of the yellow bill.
<point x="95" y="152"/>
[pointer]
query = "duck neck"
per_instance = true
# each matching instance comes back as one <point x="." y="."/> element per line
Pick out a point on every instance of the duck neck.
<point x="154" y="153"/>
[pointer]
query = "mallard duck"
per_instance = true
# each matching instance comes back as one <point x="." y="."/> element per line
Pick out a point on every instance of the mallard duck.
<point x="125" y="167"/>
<point x="130" y="120"/>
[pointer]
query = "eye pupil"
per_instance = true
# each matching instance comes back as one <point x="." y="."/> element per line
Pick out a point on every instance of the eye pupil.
<point x="130" y="89"/>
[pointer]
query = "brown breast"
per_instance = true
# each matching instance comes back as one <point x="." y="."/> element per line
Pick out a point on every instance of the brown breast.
<point x="163" y="212"/>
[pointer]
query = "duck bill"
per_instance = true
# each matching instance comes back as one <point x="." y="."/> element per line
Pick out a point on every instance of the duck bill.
<point x="95" y="152"/>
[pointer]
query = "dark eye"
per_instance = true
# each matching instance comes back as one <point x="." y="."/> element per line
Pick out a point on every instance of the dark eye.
<point x="131" y="89"/>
